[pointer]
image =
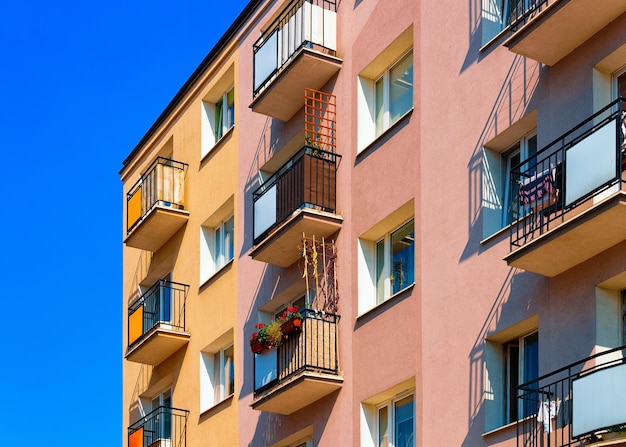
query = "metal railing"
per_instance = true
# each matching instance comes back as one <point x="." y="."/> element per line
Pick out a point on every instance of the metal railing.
<point x="519" y="12"/>
<point x="313" y="349"/>
<point x="162" y="304"/>
<point x="163" y="427"/>
<point x="163" y="183"/>
<point x="572" y="170"/>
<point x="308" y="180"/>
<point x="303" y="23"/>
<point x="548" y="403"/>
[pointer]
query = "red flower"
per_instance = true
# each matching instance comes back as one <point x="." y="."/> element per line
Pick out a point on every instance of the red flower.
<point x="259" y="325"/>
<point x="292" y="309"/>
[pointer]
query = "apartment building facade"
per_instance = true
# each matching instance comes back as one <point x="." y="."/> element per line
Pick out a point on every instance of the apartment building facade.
<point x="374" y="223"/>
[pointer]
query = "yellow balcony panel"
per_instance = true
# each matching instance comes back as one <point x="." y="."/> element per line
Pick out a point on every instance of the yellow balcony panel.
<point x="282" y="246"/>
<point x="561" y="27"/>
<point x="282" y="97"/>
<point x="576" y="240"/>
<point x="157" y="345"/>
<point x="157" y="227"/>
<point x="156" y="323"/>
<point x="298" y="393"/>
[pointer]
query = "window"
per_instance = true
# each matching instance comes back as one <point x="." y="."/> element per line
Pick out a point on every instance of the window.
<point x="395" y="254"/>
<point x="385" y="90"/>
<point x="522" y="150"/>
<point x="497" y="197"/>
<point x="218" y="114"/>
<point x="217" y="376"/>
<point x="160" y="425"/>
<point x="217" y="247"/>
<point x="386" y="258"/>
<point x="388" y="419"/>
<point x="522" y="366"/>
<point x="498" y="14"/>
<point x="395" y="423"/>
<point x="394" y="93"/>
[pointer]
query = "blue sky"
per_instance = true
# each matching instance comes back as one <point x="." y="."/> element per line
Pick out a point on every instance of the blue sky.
<point x="81" y="84"/>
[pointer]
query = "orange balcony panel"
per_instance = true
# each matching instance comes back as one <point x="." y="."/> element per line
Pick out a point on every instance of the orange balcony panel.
<point x="135" y="439"/>
<point x="281" y="246"/>
<point x="158" y="226"/>
<point x="300" y="392"/>
<point x="160" y="343"/>
<point x="282" y="97"/>
<point x="598" y="228"/>
<point x="562" y="27"/>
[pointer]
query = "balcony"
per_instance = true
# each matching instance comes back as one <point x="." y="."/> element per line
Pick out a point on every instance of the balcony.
<point x="156" y="323"/>
<point x="302" y="370"/>
<point x="549" y="30"/>
<point x="569" y="200"/>
<point x="578" y="405"/>
<point x="297" y="50"/>
<point x="298" y="199"/>
<point x="155" y="208"/>
<point x="163" y="427"/>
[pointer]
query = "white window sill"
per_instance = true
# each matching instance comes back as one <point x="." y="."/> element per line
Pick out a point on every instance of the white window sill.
<point x="215" y="406"/>
<point x="216" y="273"/>
<point x="383" y="303"/>
<point x="217" y="143"/>
<point x="385" y="132"/>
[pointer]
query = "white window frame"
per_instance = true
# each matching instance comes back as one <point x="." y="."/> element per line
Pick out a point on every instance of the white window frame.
<point x="217" y="381"/>
<point x="216" y="249"/>
<point x="398" y="50"/>
<point x="391" y="420"/>
<point x="369" y="268"/>
<point x="385" y="81"/>
<point x="509" y="383"/>
<point x="524" y="148"/>
<point x="212" y="131"/>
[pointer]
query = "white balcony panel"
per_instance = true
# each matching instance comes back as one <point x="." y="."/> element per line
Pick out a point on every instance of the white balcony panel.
<point x="598" y="400"/>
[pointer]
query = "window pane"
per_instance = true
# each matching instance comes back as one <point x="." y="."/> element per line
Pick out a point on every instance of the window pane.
<point x="380" y="271"/>
<point x="229" y="371"/>
<point x="219" y="251"/>
<point x="230" y="109"/>
<point x="511" y="185"/>
<point x="219" y="120"/>
<point x="401" y="88"/>
<point x="229" y="232"/>
<point x="383" y="427"/>
<point x="379" y="106"/>
<point x="404" y="424"/>
<point x="530" y="369"/>
<point x="402" y="257"/>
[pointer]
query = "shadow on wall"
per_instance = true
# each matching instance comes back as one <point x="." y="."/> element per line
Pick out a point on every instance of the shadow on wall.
<point x="514" y="100"/>
<point x="517" y="299"/>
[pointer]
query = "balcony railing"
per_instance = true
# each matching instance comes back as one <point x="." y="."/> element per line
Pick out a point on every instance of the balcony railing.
<point x="303" y="24"/>
<point x="162" y="184"/>
<point x="574" y="405"/>
<point x="308" y="180"/>
<point x="311" y="353"/>
<point x="156" y="322"/>
<point x="519" y="12"/>
<point x="575" y="171"/>
<point x="163" y="427"/>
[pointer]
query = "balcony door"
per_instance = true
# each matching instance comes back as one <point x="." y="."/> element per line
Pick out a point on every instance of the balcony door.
<point x="161" y="426"/>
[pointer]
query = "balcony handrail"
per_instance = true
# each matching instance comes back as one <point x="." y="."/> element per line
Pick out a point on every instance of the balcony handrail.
<point x="162" y="423"/>
<point x="522" y="16"/>
<point x="291" y="179"/>
<point x="557" y="386"/>
<point x="313" y="349"/>
<point x="548" y="166"/>
<point x="163" y="303"/>
<point x="278" y="25"/>
<point x="158" y="192"/>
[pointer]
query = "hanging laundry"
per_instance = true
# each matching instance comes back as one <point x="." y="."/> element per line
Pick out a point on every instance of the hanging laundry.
<point x="548" y="411"/>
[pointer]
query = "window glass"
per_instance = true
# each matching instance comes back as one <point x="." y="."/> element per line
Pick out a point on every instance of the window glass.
<point x="383" y="427"/>
<point x="380" y="106"/>
<point x="404" y="423"/>
<point x="402" y="257"/>
<point x="230" y="109"/>
<point x="380" y="271"/>
<point x="401" y="88"/>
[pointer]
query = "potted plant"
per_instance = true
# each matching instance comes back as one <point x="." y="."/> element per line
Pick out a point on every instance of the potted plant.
<point x="291" y="320"/>
<point x="268" y="335"/>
